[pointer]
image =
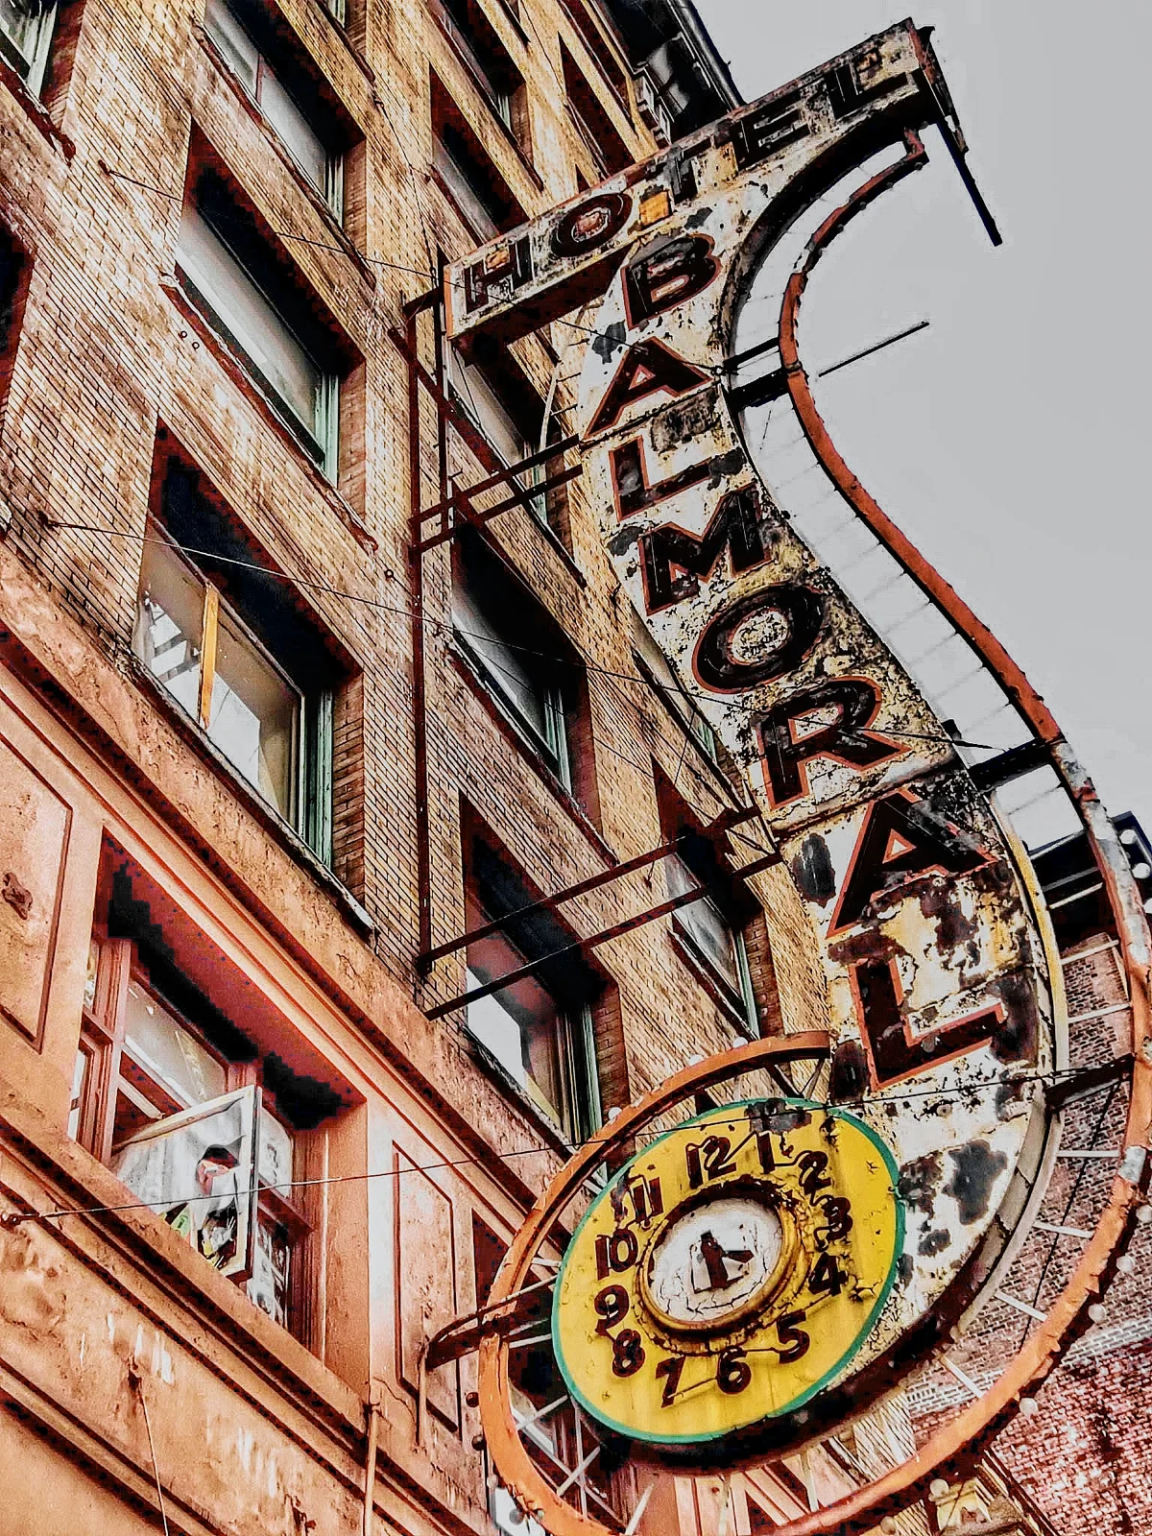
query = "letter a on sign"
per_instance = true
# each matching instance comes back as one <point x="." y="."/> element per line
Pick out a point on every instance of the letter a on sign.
<point x="648" y="367"/>
<point x="900" y="839"/>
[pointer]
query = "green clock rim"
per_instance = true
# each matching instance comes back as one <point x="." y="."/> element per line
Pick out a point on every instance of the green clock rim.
<point x="631" y="1433"/>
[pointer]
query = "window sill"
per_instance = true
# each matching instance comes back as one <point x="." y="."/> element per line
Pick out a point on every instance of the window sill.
<point x="140" y="1238"/>
<point x="282" y="830"/>
<point x="254" y="111"/>
<point x="35" y="109"/>
<point x="252" y="392"/>
<point x="527" y="750"/>
<point x="521" y="153"/>
<point x="704" y="974"/>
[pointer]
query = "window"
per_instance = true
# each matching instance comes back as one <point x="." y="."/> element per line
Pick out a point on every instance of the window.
<point x="467" y="174"/>
<point x="597" y="45"/>
<point x="712" y="936"/>
<point x="234" y="280"/>
<point x="488" y="62"/>
<point x="653" y="665"/>
<point x="593" y="124"/>
<point x="711" y="929"/>
<point x="240" y="32"/>
<point x="338" y="10"/>
<point x="169" y="1093"/>
<point x="509" y="413"/>
<point x="539" y="1030"/>
<point x="26" y="28"/>
<point x="14" y="271"/>
<point x="517" y="653"/>
<point x="229" y="647"/>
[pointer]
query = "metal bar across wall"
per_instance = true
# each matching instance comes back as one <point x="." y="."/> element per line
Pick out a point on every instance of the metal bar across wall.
<point x="722" y="823"/>
<point x="584" y="945"/>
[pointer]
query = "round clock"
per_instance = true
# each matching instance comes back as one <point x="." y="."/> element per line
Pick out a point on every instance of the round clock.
<point x="729" y="1271"/>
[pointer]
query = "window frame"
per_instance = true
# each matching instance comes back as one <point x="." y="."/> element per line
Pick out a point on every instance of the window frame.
<point x="322" y="448"/>
<point x="489" y="64"/>
<point x="741" y="999"/>
<point x="103" y="1041"/>
<point x="554" y="746"/>
<point x="485" y="202"/>
<point x="333" y="189"/>
<point x="32" y="66"/>
<point x="575" y="1056"/>
<point x="311" y="817"/>
<point x="465" y="370"/>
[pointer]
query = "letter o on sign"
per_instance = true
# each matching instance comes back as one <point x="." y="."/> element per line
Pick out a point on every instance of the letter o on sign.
<point x="718" y="666"/>
<point x="591" y="223"/>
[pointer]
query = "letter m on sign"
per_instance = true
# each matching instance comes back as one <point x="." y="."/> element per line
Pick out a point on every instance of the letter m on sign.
<point x="674" y="562"/>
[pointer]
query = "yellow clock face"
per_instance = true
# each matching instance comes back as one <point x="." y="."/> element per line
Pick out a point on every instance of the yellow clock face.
<point x="729" y="1272"/>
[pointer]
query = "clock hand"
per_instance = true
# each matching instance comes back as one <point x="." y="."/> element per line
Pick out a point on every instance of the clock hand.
<point x="715" y="1258"/>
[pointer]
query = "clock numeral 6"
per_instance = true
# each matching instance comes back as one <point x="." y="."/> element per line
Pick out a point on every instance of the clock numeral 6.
<point x="671" y="1369"/>
<point x="733" y="1373"/>
<point x="627" y="1353"/>
<point x="611" y="1305"/>
<point x="794" y="1341"/>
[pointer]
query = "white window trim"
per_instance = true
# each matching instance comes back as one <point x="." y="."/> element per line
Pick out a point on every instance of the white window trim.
<point x="31" y="66"/>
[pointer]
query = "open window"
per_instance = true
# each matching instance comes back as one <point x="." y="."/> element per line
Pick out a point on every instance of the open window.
<point x="288" y="93"/>
<point x="26" y="29"/>
<point x="206" y="1121"/>
<point x="713" y="932"/>
<point x="540" y="1030"/>
<point x="489" y="63"/>
<point x="528" y="669"/>
<point x="262" y="312"/>
<point x="491" y="388"/>
<point x="238" y="654"/>
<point x="466" y="172"/>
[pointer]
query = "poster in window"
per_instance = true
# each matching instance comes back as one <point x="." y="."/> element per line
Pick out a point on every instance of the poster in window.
<point x="197" y="1170"/>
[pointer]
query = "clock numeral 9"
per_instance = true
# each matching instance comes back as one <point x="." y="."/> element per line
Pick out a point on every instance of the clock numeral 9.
<point x="671" y="1369"/>
<point x="794" y="1341"/>
<point x="627" y="1353"/>
<point x="617" y="1252"/>
<point x="733" y="1373"/>
<point x="611" y="1305"/>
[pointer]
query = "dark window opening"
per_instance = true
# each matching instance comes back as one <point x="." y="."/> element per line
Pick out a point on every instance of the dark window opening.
<point x="597" y="45"/>
<point x="466" y="172"/>
<point x="539" y="1030"/>
<point x="206" y="1121"/>
<point x="15" y="272"/>
<point x="238" y="652"/>
<point x="593" y="124"/>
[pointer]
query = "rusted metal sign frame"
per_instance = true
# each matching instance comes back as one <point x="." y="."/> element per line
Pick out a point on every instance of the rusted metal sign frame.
<point x="892" y="1490"/>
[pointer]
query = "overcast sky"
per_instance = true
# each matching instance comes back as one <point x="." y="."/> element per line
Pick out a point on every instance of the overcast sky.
<point x="1009" y="437"/>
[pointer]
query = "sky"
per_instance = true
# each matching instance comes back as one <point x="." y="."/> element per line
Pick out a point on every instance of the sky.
<point x="1008" y="438"/>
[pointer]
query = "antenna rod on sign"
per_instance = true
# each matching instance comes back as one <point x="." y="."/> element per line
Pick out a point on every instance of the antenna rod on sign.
<point x="877" y="346"/>
<point x="958" y="149"/>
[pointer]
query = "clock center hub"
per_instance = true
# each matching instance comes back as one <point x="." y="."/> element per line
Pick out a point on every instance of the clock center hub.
<point x="714" y="1265"/>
